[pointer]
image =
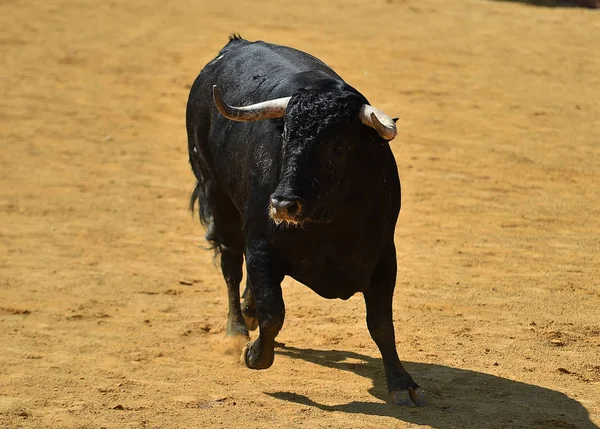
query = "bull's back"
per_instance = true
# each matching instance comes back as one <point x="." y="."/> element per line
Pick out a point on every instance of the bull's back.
<point x="249" y="72"/>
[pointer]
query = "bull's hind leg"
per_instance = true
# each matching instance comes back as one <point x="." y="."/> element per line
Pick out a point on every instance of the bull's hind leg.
<point x="249" y="307"/>
<point x="224" y="232"/>
<point x="231" y="265"/>
<point x="378" y="300"/>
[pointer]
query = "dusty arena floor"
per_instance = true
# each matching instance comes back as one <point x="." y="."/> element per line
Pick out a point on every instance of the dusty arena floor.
<point x="112" y="314"/>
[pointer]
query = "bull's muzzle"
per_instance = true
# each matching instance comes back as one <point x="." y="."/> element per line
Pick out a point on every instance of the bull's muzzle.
<point x="285" y="210"/>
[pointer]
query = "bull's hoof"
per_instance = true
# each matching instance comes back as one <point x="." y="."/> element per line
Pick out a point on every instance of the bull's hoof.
<point x="251" y="322"/>
<point x="252" y="358"/>
<point x="409" y="397"/>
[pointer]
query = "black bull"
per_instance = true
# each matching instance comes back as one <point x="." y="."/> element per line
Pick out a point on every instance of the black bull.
<point x="302" y="184"/>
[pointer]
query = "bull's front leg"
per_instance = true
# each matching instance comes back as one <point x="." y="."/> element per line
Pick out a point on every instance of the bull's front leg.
<point x="265" y="275"/>
<point x="378" y="300"/>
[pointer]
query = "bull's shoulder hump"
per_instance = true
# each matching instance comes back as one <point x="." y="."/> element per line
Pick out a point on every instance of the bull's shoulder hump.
<point x="291" y="54"/>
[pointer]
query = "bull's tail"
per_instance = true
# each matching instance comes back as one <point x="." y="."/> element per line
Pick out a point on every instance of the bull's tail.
<point x="206" y="217"/>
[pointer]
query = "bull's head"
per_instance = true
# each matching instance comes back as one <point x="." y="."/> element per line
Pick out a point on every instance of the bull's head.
<point x="323" y="126"/>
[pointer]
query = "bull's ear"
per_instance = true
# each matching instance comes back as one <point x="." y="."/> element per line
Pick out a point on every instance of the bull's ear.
<point x="395" y="120"/>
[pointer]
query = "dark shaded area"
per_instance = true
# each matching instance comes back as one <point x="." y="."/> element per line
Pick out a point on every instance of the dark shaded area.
<point x="456" y="397"/>
<point x="591" y="4"/>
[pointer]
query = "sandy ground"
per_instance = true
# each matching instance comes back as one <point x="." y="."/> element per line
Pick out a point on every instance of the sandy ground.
<point x="112" y="313"/>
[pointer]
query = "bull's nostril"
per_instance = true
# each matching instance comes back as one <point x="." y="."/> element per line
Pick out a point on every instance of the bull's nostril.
<point x="276" y="203"/>
<point x="293" y="208"/>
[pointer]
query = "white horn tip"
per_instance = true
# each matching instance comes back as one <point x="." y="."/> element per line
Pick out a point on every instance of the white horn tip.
<point x="385" y="127"/>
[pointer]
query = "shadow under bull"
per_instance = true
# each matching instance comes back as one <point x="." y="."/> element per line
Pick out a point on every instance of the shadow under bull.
<point x="456" y="397"/>
<point x="591" y="4"/>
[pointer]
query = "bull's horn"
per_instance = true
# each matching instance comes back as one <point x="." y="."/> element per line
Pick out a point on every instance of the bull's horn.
<point x="375" y="118"/>
<point x="255" y="112"/>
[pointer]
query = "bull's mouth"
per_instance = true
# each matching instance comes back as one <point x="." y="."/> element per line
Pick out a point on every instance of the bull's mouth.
<point x="300" y="220"/>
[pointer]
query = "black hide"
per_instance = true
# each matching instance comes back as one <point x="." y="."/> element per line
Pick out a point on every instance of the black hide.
<point x="341" y="175"/>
